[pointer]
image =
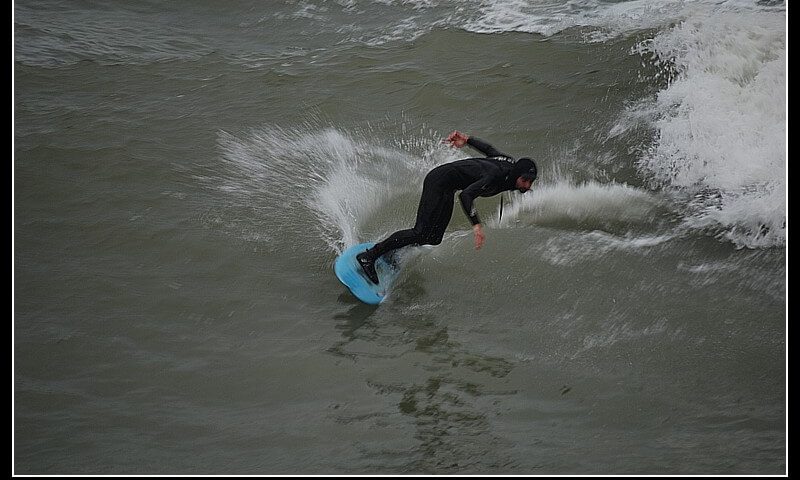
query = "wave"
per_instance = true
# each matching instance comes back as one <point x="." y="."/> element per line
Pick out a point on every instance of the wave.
<point x="719" y="118"/>
<point x="721" y="124"/>
<point x="605" y="19"/>
<point x="411" y="18"/>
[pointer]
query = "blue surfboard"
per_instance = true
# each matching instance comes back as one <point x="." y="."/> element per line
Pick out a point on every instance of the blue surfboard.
<point x="349" y="272"/>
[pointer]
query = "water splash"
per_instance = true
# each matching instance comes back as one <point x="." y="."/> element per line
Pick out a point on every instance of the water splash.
<point x="320" y="180"/>
<point x="587" y="206"/>
<point x="721" y="124"/>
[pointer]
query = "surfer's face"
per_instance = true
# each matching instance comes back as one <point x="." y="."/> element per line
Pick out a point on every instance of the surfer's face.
<point x="523" y="185"/>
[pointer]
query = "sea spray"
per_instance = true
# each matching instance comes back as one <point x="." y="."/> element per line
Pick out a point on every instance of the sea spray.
<point x="585" y="206"/>
<point x="319" y="180"/>
<point x="721" y="125"/>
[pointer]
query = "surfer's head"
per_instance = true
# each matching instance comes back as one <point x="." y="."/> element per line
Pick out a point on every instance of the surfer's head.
<point x="524" y="171"/>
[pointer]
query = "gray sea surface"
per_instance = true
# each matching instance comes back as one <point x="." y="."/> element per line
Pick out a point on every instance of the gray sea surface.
<point x="186" y="172"/>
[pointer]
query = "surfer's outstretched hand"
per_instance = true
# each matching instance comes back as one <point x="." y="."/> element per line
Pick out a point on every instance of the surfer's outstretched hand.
<point x="457" y="139"/>
<point x="480" y="238"/>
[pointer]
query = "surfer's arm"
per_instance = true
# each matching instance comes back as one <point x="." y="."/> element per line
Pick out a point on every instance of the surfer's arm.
<point x="458" y="140"/>
<point x="467" y="198"/>
<point x="484" y="147"/>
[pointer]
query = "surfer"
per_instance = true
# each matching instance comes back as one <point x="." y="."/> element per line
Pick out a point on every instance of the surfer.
<point x="475" y="177"/>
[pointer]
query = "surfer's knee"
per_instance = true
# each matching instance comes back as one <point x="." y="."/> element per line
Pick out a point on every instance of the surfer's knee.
<point x="434" y="238"/>
<point x="420" y="233"/>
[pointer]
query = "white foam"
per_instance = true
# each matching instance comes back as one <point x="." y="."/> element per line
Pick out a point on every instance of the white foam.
<point x="607" y="19"/>
<point x="721" y="123"/>
<point x="570" y="249"/>
<point x="551" y="17"/>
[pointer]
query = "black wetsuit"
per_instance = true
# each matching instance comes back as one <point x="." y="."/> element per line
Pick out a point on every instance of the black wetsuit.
<point x="475" y="177"/>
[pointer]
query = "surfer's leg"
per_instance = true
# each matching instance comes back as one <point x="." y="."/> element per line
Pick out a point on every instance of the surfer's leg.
<point x="434" y="206"/>
<point x="438" y="222"/>
<point x="396" y="240"/>
<point x="429" y="230"/>
<point x="429" y="212"/>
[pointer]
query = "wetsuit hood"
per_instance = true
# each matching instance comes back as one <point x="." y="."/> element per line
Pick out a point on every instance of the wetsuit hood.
<point x="525" y="168"/>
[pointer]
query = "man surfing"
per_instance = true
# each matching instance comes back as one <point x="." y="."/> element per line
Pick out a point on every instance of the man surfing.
<point x="475" y="177"/>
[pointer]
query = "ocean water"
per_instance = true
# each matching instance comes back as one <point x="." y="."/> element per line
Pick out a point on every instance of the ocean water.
<point x="185" y="174"/>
